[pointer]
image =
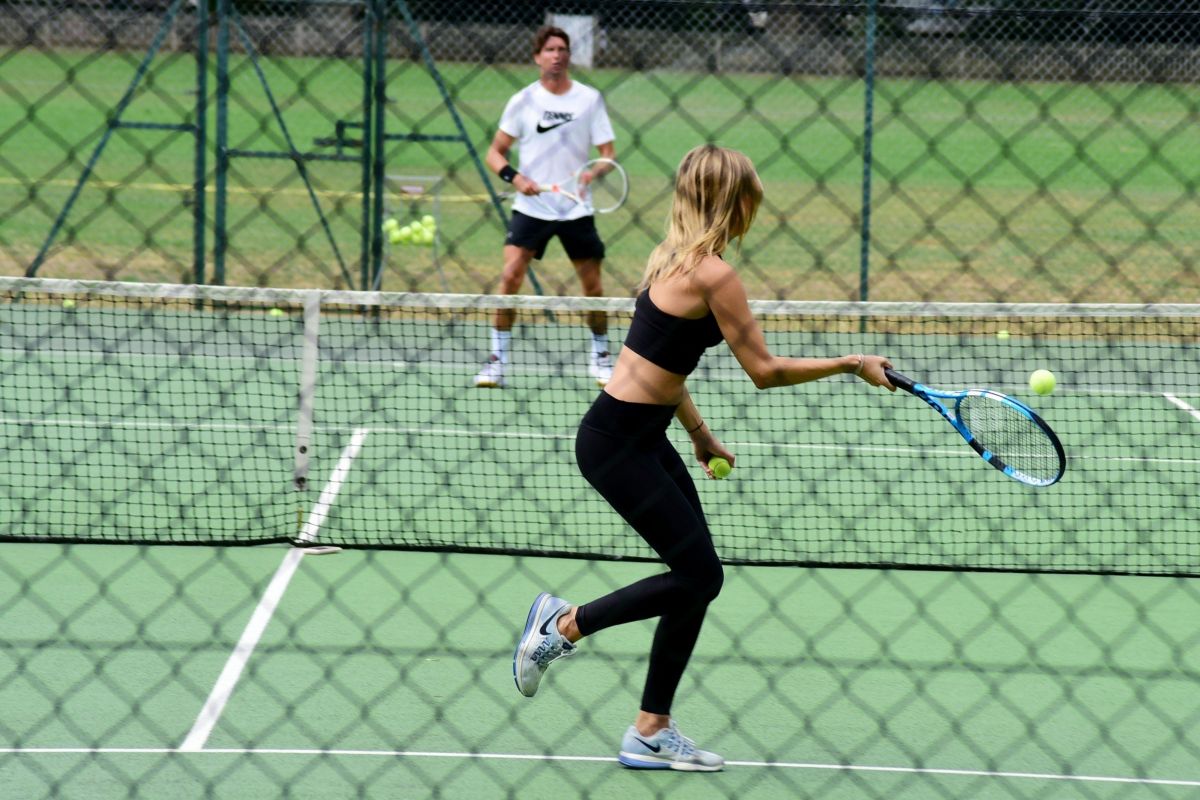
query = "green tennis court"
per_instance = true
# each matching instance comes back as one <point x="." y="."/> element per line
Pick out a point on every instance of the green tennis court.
<point x="391" y="672"/>
<point x="236" y="670"/>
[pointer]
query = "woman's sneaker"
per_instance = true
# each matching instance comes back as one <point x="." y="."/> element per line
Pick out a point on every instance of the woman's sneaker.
<point x="541" y="643"/>
<point x="667" y="749"/>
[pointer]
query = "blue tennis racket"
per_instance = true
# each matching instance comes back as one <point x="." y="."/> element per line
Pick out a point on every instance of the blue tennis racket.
<point x="1005" y="432"/>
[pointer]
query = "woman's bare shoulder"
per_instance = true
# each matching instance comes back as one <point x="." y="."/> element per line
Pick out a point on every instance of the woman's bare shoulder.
<point x="714" y="273"/>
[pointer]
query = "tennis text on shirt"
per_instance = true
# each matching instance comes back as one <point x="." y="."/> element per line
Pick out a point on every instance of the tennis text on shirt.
<point x="555" y="135"/>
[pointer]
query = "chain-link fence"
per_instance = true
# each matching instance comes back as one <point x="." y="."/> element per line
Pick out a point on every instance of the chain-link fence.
<point x="1045" y="644"/>
<point x="136" y="416"/>
<point x="1017" y="150"/>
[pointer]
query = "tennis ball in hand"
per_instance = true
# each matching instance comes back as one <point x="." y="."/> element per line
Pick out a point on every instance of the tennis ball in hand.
<point x="720" y="467"/>
<point x="1042" y="381"/>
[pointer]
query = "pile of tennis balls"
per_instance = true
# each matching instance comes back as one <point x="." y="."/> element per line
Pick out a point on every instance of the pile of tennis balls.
<point x="418" y="232"/>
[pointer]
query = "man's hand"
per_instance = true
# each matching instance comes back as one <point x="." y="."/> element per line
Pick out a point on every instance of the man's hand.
<point x="524" y="185"/>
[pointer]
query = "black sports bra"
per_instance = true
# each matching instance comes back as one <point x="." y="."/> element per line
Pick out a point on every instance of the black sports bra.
<point x="673" y="343"/>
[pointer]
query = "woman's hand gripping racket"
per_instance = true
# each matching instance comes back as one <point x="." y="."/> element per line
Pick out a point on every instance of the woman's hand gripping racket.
<point x="1005" y="432"/>
<point x="601" y="182"/>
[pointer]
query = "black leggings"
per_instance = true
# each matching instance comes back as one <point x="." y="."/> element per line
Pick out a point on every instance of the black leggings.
<point x="622" y="450"/>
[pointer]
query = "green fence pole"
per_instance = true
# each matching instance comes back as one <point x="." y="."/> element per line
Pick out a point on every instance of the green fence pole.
<point x="376" y="133"/>
<point x="868" y="138"/>
<point x="220" y="234"/>
<point x="372" y="232"/>
<point x="199" y="184"/>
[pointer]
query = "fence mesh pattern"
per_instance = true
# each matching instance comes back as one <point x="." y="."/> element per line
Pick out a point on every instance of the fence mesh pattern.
<point x="1022" y="151"/>
<point x="975" y="190"/>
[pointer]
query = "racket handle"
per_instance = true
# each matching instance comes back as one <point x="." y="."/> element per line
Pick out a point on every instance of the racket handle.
<point x="558" y="190"/>
<point x="898" y="380"/>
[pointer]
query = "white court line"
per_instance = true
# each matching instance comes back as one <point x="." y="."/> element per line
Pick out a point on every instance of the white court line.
<point x="952" y="451"/>
<point x="321" y="510"/>
<point x="267" y="751"/>
<point x="214" y="706"/>
<point x="715" y="372"/>
<point x="1182" y="405"/>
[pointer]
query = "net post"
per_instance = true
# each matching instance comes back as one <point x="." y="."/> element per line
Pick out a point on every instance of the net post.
<point x="306" y="395"/>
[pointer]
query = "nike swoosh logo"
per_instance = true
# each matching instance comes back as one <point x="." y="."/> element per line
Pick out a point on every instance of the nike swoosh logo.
<point x="654" y="748"/>
<point x="544" y="128"/>
<point x="546" y="625"/>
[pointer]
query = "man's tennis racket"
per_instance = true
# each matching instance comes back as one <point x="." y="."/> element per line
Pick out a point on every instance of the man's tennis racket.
<point x="601" y="182"/>
<point x="1005" y="432"/>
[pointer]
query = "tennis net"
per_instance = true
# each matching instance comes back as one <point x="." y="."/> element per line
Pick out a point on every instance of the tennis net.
<point x="216" y="415"/>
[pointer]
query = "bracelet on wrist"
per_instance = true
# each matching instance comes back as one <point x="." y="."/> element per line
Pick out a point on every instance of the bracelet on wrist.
<point x="698" y="427"/>
<point x="507" y="173"/>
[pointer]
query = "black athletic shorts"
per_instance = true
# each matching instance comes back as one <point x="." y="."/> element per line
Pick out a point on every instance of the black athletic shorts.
<point x="578" y="236"/>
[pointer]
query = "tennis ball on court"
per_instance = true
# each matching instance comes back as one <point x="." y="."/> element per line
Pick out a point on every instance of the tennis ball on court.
<point x="1042" y="381"/>
<point x="390" y="224"/>
<point x="275" y="312"/>
<point x="720" y="467"/>
<point x="68" y="303"/>
<point x="428" y="221"/>
<point x="1001" y="334"/>
<point x="424" y="236"/>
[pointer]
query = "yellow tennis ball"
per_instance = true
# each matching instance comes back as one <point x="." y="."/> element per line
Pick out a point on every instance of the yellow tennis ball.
<point x="1001" y="334"/>
<point x="68" y="303"/>
<point x="276" y="312"/>
<point x="390" y="224"/>
<point x="720" y="467"/>
<point x="1042" y="381"/>
<point x="428" y="221"/>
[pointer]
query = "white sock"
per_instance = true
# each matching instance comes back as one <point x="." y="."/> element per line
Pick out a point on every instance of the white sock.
<point x="500" y="342"/>
<point x="599" y="343"/>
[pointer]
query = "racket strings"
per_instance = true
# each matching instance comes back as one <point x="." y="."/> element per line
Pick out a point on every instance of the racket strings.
<point x="605" y="190"/>
<point x="1013" y="437"/>
<point x="608" y="188"/>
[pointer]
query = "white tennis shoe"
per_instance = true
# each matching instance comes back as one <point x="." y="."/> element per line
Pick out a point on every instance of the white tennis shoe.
<point x="492" y="374"/>
<point x="600" y="367"/>
<point x="541" y="643"/>
<point x="667" y="749"/>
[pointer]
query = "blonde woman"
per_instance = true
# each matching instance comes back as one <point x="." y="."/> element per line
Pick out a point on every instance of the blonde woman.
<point x="692" y="299"/>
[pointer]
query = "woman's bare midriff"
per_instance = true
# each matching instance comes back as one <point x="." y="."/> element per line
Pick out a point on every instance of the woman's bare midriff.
<point x="636" y="380"/>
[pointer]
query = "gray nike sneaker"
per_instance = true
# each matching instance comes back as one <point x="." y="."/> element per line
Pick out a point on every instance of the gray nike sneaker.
<point x="541" y="643"/>
<point x="667" y="749"/>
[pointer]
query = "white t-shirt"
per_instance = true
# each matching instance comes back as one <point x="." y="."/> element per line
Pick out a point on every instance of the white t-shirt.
<point x="555" y="134"/>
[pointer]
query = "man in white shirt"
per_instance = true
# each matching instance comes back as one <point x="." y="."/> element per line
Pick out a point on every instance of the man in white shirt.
<point x="554" y="122"/>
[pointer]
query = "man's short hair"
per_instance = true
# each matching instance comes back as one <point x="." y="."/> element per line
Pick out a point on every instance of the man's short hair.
<point x="546" y="32"/>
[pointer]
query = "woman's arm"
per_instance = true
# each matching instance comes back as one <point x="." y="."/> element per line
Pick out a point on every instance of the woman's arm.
<point x="726" y="296"/>
<point x="704" y="442"/>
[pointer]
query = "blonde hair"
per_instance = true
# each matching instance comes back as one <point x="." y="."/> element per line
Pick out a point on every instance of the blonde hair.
<point x="717" y="194"/>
